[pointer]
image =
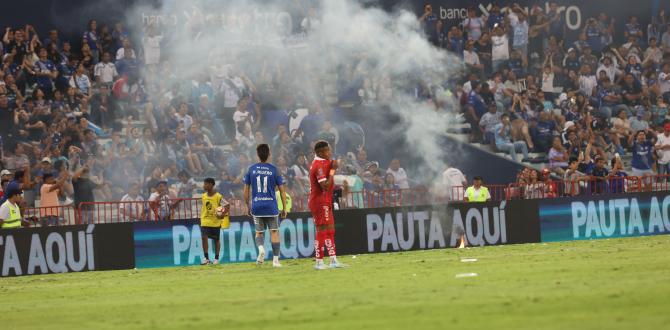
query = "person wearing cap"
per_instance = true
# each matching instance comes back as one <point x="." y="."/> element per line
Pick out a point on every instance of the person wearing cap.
<point x="477" y="192"/>
<point x="641" y="121"/>
<point x="49" y="204"/>
<point x="6" y="174"/>
<point x="662" y="148"/>
<point x="21" y="179"/>
<point x="10" y="212"/>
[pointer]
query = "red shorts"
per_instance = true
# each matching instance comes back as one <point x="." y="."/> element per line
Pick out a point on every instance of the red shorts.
<point x="322" y="214"/>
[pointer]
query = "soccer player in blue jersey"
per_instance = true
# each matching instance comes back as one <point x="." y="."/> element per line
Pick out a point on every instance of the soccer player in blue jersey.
<point x="260" y="183"/>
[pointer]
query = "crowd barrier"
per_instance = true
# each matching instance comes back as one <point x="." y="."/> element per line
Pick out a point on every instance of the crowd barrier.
<point x="566" y="188"/>
<point x="190" y="208"/>
<point x="138" y="239"/>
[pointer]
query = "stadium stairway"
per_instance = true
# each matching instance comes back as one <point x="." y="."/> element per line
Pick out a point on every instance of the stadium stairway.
<point x="459" y="131"/>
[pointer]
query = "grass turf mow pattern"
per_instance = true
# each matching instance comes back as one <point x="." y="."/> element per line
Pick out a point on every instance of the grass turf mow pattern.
<point x="599" y="284"/>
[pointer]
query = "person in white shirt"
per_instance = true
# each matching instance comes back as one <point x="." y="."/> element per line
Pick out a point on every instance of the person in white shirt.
<point x="610" y="69"/>
<point x="664" y="80"/>
<point x="160" y="202"/>
<point x="587" y="81"/>
<point x="653" y="55"/>
<point x="453" y="184"/>
<point x="242" y="117"/>
<point x="662" y="148"/>
<point x="398" y="173"/>
<point x="499" y="48"/>
<point x="665" y="40"/>
<point x="470" y="57"/>
<point x="132" y="205"/>
<point x="183" y="117"/>
<point x="121" y="53"/>
<point x="105" y="71"/>
<point x="151" y="44"/>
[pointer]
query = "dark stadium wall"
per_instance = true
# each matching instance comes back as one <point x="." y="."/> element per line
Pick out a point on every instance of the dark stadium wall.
<point x="32" y="251"/>
<point x="576" y="11"/>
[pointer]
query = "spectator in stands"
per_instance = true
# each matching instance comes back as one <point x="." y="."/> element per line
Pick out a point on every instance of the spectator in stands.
<point x="504" y="141"/>
<point x="643" y="164"/>
<point x="81" y="82"/>
<point x="617" y="178"/>
<point x="185" y="186"/>
<point x="499" y="47"/>
<point x="599" y="176"/>
<point x="49" y="202"/>
<point x="45" y="72"/>
<point x="83" y="192"/>
<point x="103" y="107"/>
<point x="151" y="44"/>
<point x="160" y="202"/>
<point x="519" y="23"/>
<point x="489" y="121"/>
<point x="477" y="192"/>
<point x="473" y="25"/>
<point x="91" y="39"/>
<point x="471" y="58"/>
<point x="558" y="157"/>
<point x="662" y="148"/>
<point x="453" y="184"/>
<point x="105" y="71"/>
<point x="398" y="173"/>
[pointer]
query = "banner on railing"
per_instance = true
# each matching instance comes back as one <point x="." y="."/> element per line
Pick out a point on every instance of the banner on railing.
<point x="65" y="249"/>
<point x="428" y="227"/>
<point x="605" y="216"/>
<point x="178" y="243"/>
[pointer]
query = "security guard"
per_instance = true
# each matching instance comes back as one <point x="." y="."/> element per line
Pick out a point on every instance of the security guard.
<point x="10" y="213"/>
<point x="477" y="192"/>
<point x="289" y="204"/>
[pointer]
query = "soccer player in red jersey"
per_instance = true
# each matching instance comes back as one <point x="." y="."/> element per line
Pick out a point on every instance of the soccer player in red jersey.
<point x="321" y="180"/>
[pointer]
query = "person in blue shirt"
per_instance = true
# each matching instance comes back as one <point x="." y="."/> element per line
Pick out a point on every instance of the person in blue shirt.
<point x="91" y="39"/>
<point x="476" y="100"/>
<point x="45" y="72"/>
<point x="617" y="177"/>
<point x="643" y="161"/>
<point x="260" y="183"/>
<point x="593" y="35"/>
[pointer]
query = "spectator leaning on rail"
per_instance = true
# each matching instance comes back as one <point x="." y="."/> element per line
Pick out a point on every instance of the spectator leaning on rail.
<point x="477" y="192"/>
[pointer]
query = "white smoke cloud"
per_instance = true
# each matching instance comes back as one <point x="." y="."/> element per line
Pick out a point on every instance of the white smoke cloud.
<point x="217" y="38"/>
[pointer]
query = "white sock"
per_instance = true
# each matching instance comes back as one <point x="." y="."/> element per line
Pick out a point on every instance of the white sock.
<point x="319" y="262"/>
<point x="261" y="249"/>
<point x="275" y="259"/>
<point x="333" y="259"/>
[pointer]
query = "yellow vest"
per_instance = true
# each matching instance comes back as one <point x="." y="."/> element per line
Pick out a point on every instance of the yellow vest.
<point x="288" y="201"/>
<point x="482" y="197"/>
<point x="14" y="220"/>
<point x="208" y="216"/>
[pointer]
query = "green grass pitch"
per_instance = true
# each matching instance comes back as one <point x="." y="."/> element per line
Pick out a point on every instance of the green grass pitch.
<point x="603" y="284"/>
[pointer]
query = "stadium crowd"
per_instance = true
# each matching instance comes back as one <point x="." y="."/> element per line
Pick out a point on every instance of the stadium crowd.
<point x="585" y="105"/>
<point x="113" y="119"/>
<point x="75" y="124"/>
